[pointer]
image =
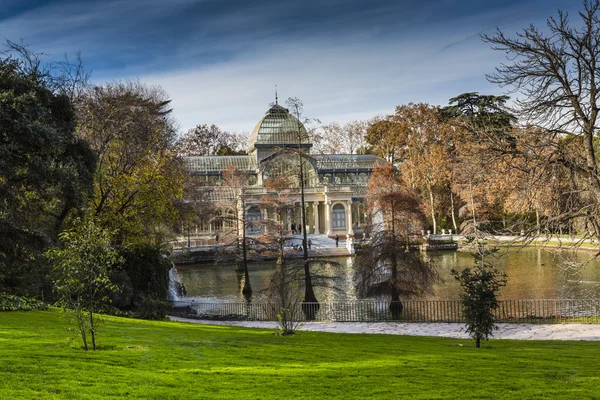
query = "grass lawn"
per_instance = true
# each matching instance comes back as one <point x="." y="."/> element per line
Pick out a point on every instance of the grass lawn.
<point x="169" y="360"/>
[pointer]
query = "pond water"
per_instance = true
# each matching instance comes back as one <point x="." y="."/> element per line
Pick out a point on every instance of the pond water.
<point x="532" y="274"/>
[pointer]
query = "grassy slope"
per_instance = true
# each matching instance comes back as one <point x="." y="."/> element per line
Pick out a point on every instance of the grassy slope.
<point x="143" y="359"/>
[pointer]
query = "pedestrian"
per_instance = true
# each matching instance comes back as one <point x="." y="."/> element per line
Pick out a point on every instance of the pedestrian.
<point x="309" y="244"/>
<point x="337" y="240"/>
<point x="293" y="229"/>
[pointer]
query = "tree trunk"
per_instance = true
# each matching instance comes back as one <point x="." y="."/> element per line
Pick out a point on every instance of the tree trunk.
<point x="80" y="322"/>
<point x="478" y="342"/>
<point x="92" y="330"/>
<point x="537" y="222"/>
<point x="432" y="204"/>
<point x="247" y="289"/>
<point x="452" y="211"/>
<point x="309" y="294"/>
<point x="395" y="305"/>
<point x="91" y="312"/>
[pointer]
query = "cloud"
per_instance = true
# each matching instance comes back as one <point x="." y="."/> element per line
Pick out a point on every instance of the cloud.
<point x="337" y="81"/>
<point x="220" y="59"/>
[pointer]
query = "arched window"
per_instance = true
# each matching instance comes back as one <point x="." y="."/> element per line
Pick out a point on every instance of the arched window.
<point x="362" y="177"/>
<point x="218" y="220"/>
<point x="287" y="165"/>
<point x="230" y="220"/>
<point x="253" y="217"/>
<point x="351" y="177"/>
<point x="339" y="216"/>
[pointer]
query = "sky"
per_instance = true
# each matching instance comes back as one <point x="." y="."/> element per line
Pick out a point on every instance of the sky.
<point x="220" y="60"/>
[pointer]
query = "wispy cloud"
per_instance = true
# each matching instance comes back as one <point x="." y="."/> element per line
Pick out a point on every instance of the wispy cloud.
<point x="220" y="59"/>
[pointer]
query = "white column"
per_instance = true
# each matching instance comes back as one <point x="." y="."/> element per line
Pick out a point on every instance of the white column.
<point x="264" y="215"/>
<point x="349" y="218"/>
<point x="328" y="217"/>
<point x="316" y="216"/>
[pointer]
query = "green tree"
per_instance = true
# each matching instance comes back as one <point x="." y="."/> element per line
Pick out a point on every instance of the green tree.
<point x="139" y="175"/>
<point x="81" y="271"/>
<point x="45" y="170"/>
<point x="480" y="298"/>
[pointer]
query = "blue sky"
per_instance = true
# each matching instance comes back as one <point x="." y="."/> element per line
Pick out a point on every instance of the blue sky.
<point x="220" y="60"/>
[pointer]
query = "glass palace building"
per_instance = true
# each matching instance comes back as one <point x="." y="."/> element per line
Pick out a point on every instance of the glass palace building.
<point x="334" y="184"/>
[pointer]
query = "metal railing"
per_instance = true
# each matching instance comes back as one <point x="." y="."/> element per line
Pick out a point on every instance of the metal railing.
<point x="522" y="311"/>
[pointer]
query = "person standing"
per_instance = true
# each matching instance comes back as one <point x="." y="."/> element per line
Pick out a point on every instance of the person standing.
<point x="337" y="240"/>
<point x="309" y="244"/>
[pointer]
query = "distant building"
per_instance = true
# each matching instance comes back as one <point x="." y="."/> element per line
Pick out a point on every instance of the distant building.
<point x="335" y="184"/>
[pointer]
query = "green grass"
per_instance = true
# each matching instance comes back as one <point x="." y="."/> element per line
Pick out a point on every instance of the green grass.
<point x="169" y="360"/>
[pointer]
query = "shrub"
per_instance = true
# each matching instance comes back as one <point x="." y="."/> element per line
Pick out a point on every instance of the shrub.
<point x="479" y="299"/>
<point x="9" y="302"/>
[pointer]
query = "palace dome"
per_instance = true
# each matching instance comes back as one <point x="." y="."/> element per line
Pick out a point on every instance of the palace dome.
<point x="278" y="128"/>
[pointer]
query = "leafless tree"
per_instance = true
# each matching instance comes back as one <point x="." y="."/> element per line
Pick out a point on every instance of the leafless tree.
<point x="347" y="139"/>
<point x="557" y="75"/>
<point x="67" y="77"/>
<point x="205" y="140"/>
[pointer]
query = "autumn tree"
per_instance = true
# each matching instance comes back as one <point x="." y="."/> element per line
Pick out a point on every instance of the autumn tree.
<point x="139" y="175"/>
<point x="388" y="266"/>
<point x="426" y="155"/>
<point x="386" y="138"/>
<point x="482" y="177"/>
<point x="555" y="71"/>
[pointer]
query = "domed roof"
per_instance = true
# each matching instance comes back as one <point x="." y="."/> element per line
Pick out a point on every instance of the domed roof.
<point x="278" y="127"/>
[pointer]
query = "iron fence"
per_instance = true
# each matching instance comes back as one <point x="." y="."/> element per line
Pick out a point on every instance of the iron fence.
<point x="530" y="311"/>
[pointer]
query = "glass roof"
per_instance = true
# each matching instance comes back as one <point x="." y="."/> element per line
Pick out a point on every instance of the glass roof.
<point x="347" y="161"/>
<point x="278" y="126"/>
<point x="324" y="162"/>
<point x="219" y="163"/>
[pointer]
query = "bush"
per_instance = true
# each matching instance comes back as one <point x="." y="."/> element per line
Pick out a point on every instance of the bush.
<point x="479" y="299"/>
<point x="152" y="308"/>
<point x="10" y="302"/>
<point x="143" y="282"/>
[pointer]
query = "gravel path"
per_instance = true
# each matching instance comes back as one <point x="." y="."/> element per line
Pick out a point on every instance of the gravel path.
<point x="505" y="331"/>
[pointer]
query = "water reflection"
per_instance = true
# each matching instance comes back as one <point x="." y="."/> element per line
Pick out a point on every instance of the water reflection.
<point x="532" y="274"/>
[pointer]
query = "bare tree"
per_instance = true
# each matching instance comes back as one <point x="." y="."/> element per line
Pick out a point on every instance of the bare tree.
<point x="349" y="139"/>
<point x="237" y="244"/>
<point x="67" y="77"/>
<point x="205" y="140"/>
<point x="309" y="295"/>
<point x="557" y="73"/>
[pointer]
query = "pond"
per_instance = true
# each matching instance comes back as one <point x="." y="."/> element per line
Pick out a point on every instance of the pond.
<point x="533" y="273"/>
